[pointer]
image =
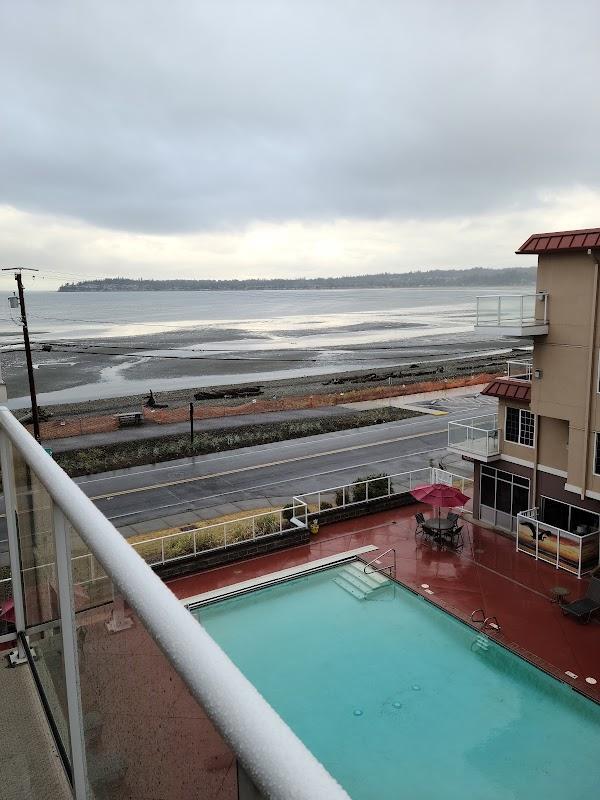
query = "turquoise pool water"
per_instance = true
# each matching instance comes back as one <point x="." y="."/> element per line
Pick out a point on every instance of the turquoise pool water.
<point x="391" y="697"/>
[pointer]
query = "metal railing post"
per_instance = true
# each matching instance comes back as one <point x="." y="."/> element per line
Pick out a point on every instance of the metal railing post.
<point x="253" y="528"/>
<point x="162" y="550"/>
<point x="367" y="490"/>
<point x="62" y="545"/>
<point x="499" y="307"/>
<point x="14" y="552"/>
<point x="389" y="494"/>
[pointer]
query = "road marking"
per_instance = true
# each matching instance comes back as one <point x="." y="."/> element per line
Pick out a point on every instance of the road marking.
<point x="253" y="467"/>
<point x="189" y="503"/>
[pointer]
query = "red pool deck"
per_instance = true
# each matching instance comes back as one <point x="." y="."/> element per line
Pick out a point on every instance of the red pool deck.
<point x="488" y="574"/>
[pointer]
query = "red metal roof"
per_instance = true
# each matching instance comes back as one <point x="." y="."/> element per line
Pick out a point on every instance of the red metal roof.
<point x="561" y="240"/>
<point x="511" y="390"/>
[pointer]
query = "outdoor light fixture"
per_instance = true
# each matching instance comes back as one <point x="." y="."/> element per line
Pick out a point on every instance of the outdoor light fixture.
<point x="538" y="374"/>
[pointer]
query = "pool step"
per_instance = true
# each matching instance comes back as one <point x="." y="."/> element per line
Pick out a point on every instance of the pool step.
<point x="354" y="581"/>
<point x="481" y="644"/>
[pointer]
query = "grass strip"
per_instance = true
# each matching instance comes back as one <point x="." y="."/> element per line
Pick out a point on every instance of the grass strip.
<point x="167" y="448"/>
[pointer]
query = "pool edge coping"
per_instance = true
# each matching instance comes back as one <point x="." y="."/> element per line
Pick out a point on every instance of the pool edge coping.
<point x="275" y="577"/>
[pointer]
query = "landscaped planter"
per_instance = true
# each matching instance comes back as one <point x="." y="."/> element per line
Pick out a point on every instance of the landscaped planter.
<point x="239" y="551"/>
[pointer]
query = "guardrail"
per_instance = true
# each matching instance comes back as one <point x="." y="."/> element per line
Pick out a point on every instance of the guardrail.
<point x="188" y="543"/>
<point x="59" y="514"/>
<point x="375" y="488"/>
<point x="510" y="310"/>
<point x="519" y="370"/>
<point x="572" y="552"/>
<point x="475" y="435"/>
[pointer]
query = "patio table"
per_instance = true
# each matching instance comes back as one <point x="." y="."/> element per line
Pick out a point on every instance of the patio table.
<point x="439" y="524"/>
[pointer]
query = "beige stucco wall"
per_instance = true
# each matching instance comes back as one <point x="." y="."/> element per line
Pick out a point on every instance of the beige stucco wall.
<point x="564" y="358"/>
<point x="553" y="439"/>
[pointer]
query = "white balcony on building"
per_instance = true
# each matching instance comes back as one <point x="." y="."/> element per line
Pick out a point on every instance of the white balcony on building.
<point x="519" y="370"/>
<point x="476" y="437"/>
<point x="516" y="315"/>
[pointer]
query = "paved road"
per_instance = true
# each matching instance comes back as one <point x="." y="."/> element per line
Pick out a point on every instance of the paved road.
<point x="139" y="498"/>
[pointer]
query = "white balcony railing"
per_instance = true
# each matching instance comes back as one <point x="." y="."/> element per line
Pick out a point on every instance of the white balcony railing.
<point x="576" y="553"/>
<point x="519" y="370"/>
<point x="475" y="436"/>
<point x="162" y="694"/>
<point x="513" y="314"/>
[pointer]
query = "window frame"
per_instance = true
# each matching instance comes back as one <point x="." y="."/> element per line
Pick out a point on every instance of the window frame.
<point x="521" y="426"/>
<point x="596" y="454"/>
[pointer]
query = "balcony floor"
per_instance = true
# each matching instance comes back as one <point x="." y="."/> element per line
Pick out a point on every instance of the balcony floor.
<point x="29" y="763"/>
<point x="488" y="574"/>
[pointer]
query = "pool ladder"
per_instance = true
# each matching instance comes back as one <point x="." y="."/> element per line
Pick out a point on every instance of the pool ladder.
<point x="389" y="568"/>
<point x="479" y="618"/>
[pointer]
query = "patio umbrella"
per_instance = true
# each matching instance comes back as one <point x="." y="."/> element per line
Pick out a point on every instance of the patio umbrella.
<point x="440" y="495"/>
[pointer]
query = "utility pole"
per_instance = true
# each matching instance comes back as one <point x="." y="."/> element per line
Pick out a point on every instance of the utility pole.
<point x="34" y="407"/>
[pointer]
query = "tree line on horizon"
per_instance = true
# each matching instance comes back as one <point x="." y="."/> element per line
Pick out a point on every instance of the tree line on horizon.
<point x="475" y="276"/>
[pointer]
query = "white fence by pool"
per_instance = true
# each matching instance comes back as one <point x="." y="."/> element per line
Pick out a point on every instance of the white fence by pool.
<point x="376" y="488"/>
<point x="183" y="544"/>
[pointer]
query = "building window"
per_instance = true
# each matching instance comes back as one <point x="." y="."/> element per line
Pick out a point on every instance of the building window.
<point x="568" y="517"/>
<point x="504" y="495"/>
<point x="520" y="426"/>
<point x="597" y="456"/>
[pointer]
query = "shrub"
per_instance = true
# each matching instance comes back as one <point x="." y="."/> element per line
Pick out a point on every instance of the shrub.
<point x="264" y="525"/>
<point x="207" y="539"/>
<point x="325" y="505"/>
<point x="339" y="497"/>
<point x="239" y="532"/>
<point x="378" y="487"/>
<point x="179" y="546"/>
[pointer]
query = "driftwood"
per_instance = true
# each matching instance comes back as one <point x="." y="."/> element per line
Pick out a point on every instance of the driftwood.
<point x="228" y="392"/>
<point x="151" y="402"/>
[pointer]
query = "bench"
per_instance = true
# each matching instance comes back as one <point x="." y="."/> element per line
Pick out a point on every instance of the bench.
<point x="130" y="418"/>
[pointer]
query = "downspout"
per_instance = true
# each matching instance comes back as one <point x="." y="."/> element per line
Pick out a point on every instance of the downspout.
<point x="536" y="438"/>
<point x="590" y="371"/>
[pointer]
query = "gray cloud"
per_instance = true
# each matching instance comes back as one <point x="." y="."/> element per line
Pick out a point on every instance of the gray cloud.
<point x="193" y="116"/>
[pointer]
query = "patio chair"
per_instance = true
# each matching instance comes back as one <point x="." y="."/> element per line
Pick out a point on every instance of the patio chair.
<point x="452" y="516"/>
<point x="583" y="608"/>
<point x="419" y="530"/>
<point x="454" y="538"/>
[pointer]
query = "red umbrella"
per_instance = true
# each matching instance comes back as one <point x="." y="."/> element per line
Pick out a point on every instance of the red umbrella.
<point x="440" y="495"/>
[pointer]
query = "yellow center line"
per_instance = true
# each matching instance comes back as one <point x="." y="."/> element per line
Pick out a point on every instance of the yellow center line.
<point x="253" y="467"/>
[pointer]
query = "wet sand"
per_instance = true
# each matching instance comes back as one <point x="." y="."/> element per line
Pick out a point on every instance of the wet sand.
<point x="89" y="376"/>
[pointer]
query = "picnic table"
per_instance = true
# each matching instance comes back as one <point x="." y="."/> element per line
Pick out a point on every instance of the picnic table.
<point x="129" y="418"/>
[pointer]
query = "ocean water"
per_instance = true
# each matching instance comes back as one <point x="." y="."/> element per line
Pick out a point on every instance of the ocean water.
<point x="280" y="316"/>
<point x="395" y="699"/>
<point x="176" y="340"/>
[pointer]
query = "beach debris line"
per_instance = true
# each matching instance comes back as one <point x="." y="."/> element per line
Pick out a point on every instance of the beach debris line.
<point x="229" y="392"/>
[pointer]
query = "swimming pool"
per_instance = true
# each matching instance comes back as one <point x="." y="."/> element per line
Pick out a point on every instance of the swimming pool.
<point x="399" y="700"/>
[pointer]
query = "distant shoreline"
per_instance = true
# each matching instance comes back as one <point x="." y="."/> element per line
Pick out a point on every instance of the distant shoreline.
<point x="484" y="277"/>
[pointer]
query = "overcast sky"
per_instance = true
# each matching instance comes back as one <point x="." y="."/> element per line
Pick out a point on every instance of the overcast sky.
<point x="232" y="139"/>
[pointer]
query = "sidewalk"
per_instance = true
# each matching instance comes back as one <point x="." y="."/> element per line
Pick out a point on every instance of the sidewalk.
<point x="150" y="430"/>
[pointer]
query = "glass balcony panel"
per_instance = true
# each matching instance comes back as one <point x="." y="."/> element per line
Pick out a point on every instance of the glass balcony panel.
<point x="40" y="590"/>
<point x="477" y="436"/>
<point x="145" y="734"/>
